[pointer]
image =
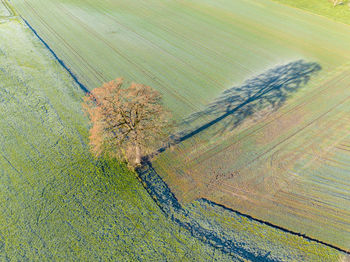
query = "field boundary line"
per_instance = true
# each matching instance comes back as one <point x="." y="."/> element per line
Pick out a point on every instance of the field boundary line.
<point x="61" y="62"/>
<point x="168" y="203"/>
<point x="277" y="227"/>
<point x="193" y="230"/>
<point x="86" y="64"/>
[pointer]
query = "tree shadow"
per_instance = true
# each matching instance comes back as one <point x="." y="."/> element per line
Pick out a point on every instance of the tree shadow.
<point x="268" y="90"/>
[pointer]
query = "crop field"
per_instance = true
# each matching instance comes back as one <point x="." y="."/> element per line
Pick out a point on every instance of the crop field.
<point x="260" y="91"/>
<point x="189" y="50"/>
<point x="290" y="167"/>
<point x="56" y="202"/>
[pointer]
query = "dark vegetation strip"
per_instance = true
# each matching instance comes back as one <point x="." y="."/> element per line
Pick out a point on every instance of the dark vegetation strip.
<point x="276" y="226"/>
<point x="98" y="75"/>
<point x="76" y="80"/>
<point x="168" y="203"/>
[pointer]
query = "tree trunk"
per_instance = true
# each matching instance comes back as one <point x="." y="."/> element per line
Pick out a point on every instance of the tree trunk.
<point x="138" y="155"/>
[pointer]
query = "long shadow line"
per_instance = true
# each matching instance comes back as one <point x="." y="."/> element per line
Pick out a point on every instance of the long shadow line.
<point x="168" y="203"/>
<point x="269" y="89"/>
<point x="60" y="61"/>
<point x="276" y="226"/>
<point x="211" y="123"/>
<point x="177" y="139"/>
<point x="154" y="194"/>
<point x="170" y="206"/>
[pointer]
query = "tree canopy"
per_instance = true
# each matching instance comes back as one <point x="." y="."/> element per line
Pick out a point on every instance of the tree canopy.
<point x="127" y="122"/>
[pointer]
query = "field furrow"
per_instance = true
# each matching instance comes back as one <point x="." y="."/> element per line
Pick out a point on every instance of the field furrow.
<point x="260" y="91"/>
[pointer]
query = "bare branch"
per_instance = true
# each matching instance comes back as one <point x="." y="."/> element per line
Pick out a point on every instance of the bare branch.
<point x="130" y="120"/>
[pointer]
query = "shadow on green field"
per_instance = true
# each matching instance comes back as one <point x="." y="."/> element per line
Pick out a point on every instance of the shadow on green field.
<point x="58" y="203"/>
<point x="268" y="90"/>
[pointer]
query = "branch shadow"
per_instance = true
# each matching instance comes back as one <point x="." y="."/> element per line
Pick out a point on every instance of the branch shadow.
<point x="268" y="90"/>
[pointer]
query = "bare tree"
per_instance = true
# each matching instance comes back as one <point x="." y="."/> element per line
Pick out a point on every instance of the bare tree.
<point x="127" y="123"/>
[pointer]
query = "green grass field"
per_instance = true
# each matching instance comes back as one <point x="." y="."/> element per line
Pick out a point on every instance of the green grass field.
<point x="286" y="166"/>
<point x="190" y="51"/>
<point x="57" y="202"/>
<point x="340" y="13"/>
